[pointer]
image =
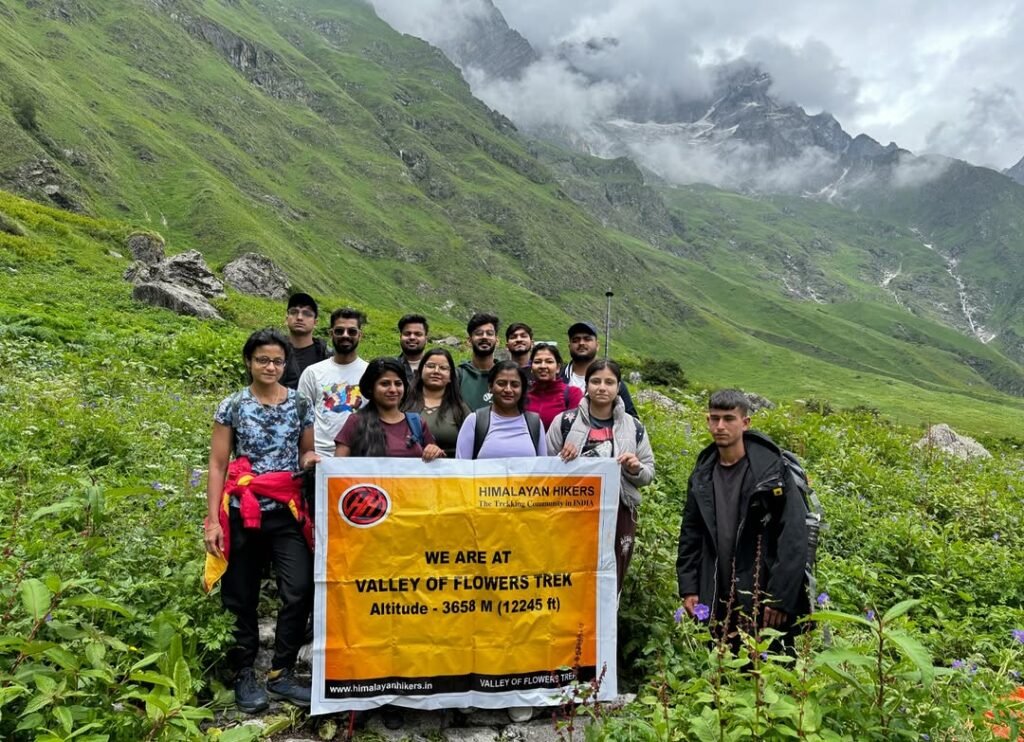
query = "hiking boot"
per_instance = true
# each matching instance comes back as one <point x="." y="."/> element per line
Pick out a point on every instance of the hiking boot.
<point x="283" y="685"/>
<point x="249" y="696"/>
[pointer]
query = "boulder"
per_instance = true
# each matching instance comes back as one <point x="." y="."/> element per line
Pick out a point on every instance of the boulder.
<point x="757" y="402"/>
<point x="449" y="342"/>
<point x="658" y="399"/>
<point x="146" y="247"/>
<point x="175" y="298"/>
<point x="635" y="377"/>
<point x="945" y="439"/>
<point x="258" y="275"/>
<point x="189" y="270"/>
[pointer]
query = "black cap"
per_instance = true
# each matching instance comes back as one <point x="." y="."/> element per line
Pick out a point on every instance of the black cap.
<point x="579" y="328"/>
<point x="303" y="300"/>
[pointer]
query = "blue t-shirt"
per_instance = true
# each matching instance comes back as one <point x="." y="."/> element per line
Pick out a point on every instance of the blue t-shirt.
<point x="268" y="435"/>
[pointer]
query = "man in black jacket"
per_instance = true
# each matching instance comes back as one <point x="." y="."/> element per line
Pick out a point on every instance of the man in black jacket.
<point x="744" y="519"/>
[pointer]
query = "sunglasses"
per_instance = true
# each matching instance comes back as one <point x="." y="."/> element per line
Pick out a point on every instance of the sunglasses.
<point x="340" y="332"/>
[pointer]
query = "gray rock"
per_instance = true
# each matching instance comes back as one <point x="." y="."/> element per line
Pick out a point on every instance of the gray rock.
<point x="147" y="247"/>
<point x="471" y="734"/>
<point x="635" y="377"/>
<point x="175" y="298"/>
<point x="449" y="342"/>
<point x="945" y="439"/>
<point x="658" y="399"/>
<point x="138" y="272"/>
<point x="757" y="402"/>
<point x="258" y="275"/>
<point x="189" y="270"/>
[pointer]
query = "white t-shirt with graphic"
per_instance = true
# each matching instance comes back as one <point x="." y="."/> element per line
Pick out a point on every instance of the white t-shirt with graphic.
<point x="333" y="390"/>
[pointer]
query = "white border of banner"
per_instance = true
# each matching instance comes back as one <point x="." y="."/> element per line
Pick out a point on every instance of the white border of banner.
<point x="607" y="600"/>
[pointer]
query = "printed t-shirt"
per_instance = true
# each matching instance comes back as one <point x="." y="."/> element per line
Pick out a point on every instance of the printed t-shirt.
<point x="397" y="438"/>
<point x="267" y="435"/>
<point x="333" y="390"/>
<point x="601" y="439"/>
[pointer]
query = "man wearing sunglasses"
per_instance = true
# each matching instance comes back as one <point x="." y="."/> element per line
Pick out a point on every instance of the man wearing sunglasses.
<point x="332" y="386"/>
<point x="306" y="349"/>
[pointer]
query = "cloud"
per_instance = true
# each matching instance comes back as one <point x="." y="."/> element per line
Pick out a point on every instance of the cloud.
<point x="912" y="172"/>
<point x="436" y="21"/>
<point x="993" y="123"/>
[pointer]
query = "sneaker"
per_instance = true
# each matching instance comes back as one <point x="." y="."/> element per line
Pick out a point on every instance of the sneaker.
<point x="249" y="696"/>
<point x="520" y="714"/>
<point x="283" y="685"/>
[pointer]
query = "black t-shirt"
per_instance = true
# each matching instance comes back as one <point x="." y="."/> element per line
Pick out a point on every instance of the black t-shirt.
<point x="601" y="439"/>
<point x="301" y="358"/>
<point x="727" y="482"/>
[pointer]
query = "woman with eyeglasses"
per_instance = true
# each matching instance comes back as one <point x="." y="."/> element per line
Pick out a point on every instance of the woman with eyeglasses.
<point x="550" y="395"/>
<point x="256" y="514"/>
<point x="505" y="428"/>
<point x="380" y="427"/>
<point x="435" y="396"/>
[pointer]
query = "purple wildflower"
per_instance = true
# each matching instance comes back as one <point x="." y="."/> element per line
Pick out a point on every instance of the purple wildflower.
<point x="157" y="486"/>
<point x="973" y="668"/>
<point x="195" y="478"/>
<point x="48" y="617"/>
<point x="702" y="612"/>
<point x="958" y="664"/>
<point x="680" y="612"/>
<point x="871" y="615"/>
<point x="161" y="502"/>
<point x="1015" y="674"/>
<point x="1018" y="635"/>
<point x="823" y="599"/>
<point x="995" y="536"/>
<point x="764" y="656"/>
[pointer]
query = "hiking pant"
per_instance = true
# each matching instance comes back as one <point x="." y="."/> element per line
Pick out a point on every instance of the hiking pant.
<point x="279" y="541"/>
<point x="625" y="539"/>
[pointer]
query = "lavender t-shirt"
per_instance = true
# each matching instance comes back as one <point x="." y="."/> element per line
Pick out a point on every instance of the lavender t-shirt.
<point x="507" y="437"/>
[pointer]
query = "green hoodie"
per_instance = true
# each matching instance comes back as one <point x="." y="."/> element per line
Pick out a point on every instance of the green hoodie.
<point x="473" y="385"/>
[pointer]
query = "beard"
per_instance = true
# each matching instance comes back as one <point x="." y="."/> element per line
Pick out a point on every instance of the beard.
<point x="483" y="352"/>
<point x="583" y="357"/>
<point x="344" y="345"/>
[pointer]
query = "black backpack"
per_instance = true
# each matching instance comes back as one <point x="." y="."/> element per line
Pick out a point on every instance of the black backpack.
<point x="814" y="517"/>
<point x="483" y="424"/>
<point x="569" y="417"/>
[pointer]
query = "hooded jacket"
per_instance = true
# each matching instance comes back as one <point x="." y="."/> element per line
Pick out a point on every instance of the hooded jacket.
<point x="550" y="398"/>
<point x="624" y="395"/>
<point x="473" y="386"/>
<point x="771" y="511"/>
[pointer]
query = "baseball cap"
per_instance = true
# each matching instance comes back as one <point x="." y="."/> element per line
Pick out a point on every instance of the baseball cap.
<point x="303" y="300"/>
<point x="579" y="328"/>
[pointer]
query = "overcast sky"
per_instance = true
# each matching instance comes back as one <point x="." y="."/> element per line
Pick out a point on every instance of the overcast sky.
<point x="943" y="76"/>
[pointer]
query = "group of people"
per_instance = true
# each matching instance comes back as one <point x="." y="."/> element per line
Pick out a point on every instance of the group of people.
<point x="306" y="401"/>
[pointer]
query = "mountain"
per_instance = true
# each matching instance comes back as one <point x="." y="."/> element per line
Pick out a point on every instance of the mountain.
<point x="1016" y="172"/>
<point x="358" y="159"/>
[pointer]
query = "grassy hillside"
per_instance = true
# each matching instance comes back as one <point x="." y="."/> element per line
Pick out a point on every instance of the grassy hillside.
<point x="357" y="158"/>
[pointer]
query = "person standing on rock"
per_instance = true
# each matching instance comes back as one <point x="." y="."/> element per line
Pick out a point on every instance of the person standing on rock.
<point x="743" y="540"/>
<point x="412" y="337"/>
<point x="332" y="386"/>
<point x="306" y="349"/>
<point x="482" y="330"/>
<point x="262" y="436"/>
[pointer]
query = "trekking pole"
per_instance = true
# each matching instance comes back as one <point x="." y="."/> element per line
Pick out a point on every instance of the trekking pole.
<point x="608" y="324"/>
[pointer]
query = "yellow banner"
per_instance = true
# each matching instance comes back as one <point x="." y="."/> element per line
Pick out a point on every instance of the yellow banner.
<point x="463" y="583"/>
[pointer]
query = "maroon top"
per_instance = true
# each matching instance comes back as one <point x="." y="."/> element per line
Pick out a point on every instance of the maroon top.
<point x="549" y="399"/>
<point x="397" y="437"/>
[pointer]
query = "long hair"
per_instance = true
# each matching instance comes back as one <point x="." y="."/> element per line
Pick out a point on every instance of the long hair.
<point x="500" y="366"/>
<point x="451" y="400"/>
<point x="370" y="439"/>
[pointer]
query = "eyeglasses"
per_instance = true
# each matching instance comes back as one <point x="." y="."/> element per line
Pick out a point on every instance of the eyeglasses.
<point x="264" y="361"/>
<point x="437" y="367"/>
<point x="340" y="332"/>
<point x="296" y="312"/>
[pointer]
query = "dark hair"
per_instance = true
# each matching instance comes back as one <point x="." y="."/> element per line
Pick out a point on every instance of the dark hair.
<point x="303" y="300"/>
<point x="552" y="349"/>
<point x="266" y="336"/>
<point x="729" y="399"/>
<point x="451" y="401"/>
<point x="479" y="320"/>
<point x="500" y="366"/>
<point x="515" y="326"/>
<point x="600" y="365"/>
<point x="413" y="319"/>
<point x="348" y="313"/>
<point x="370" y="439"/>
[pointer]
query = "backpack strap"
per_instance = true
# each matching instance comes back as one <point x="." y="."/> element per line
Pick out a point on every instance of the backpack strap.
<point x="533" y="425"/>
<point x="483" y="424"/>
<point x="639" y="428"/>
<point x="568" y="418"/>
<point x="415" y="423"/>
<point x="565" y="397"/>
